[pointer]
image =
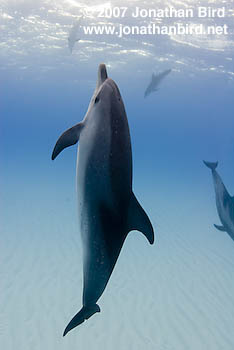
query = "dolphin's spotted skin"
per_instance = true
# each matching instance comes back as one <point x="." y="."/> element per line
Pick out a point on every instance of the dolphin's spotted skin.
<point x="107" y="207"/>
<point x="155" y="81"/>
<point x="224" y="202"/>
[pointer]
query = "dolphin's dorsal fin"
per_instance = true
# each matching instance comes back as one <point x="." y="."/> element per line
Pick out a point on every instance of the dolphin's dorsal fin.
<point x="102" y="74"/>
<point x="220" y="228"/>
<point x="68" y="138"/>
<point x="138" y="220"/>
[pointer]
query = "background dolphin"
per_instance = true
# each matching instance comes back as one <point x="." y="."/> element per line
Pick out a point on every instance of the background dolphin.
<point x="155" y="81"/>
<point x="224" y="202"/>
<point x="107" y="206"/>
<point x="73" y="36"/>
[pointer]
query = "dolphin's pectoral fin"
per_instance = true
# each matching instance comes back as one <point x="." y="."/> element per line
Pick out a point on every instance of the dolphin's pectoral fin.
<point x="138" y="220"/>
<point x="68" y="138"/>
<point x="84" y="314"/>
<point x="220" y="228"/>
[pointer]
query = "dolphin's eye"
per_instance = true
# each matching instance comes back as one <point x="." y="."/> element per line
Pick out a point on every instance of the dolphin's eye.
<point x="96" y="99"/>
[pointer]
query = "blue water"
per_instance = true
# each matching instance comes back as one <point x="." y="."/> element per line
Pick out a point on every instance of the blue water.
<point x="186" y="280"/>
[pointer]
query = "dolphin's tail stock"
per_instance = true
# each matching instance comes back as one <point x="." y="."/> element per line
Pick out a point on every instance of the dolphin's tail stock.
<point x="211" y="165"/>
<point x="85" y="313"/>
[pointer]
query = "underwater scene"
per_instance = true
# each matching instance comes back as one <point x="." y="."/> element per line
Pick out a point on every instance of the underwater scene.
<point x="116" y="175"/>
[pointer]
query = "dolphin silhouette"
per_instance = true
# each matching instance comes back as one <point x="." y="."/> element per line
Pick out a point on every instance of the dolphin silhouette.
<point x="224" y="202"/>
<point x="155" y="81"/>
<point x="107" y="207"/>
<point x="73" y="34"/>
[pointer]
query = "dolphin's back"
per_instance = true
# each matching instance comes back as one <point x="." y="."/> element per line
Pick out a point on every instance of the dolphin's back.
<point x="121" y="152"/>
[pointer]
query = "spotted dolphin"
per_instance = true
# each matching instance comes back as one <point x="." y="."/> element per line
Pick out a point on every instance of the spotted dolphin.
<point x="107" y="207"/>
<point x="224" y="202"/>
<point x="155" y="81"/>
<point x="73" y="36"/>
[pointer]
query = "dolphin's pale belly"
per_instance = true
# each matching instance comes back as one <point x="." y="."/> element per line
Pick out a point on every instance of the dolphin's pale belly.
<point x="225" y="217"/>
<point x="223" y="208"/>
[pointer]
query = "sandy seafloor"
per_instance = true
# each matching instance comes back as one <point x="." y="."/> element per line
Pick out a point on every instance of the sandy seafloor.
<point x="175" y="295"/>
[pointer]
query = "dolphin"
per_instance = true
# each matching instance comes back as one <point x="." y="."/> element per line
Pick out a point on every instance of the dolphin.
<point x="155" y="81"/>
<point x="73" y="35"/>
<point x="107" y="207"/>
<point x="224" y="202"/>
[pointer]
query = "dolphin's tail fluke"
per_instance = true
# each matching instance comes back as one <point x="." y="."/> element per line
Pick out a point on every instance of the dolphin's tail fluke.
<point x="211" y="165"/>
<point x="85" y="313"/>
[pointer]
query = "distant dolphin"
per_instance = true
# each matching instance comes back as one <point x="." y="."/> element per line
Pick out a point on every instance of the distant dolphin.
<point x="107" y="207"/>
<point x="155" y="81"/>
<point x="73" y="35"/>
<point x="224" y="202"/>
